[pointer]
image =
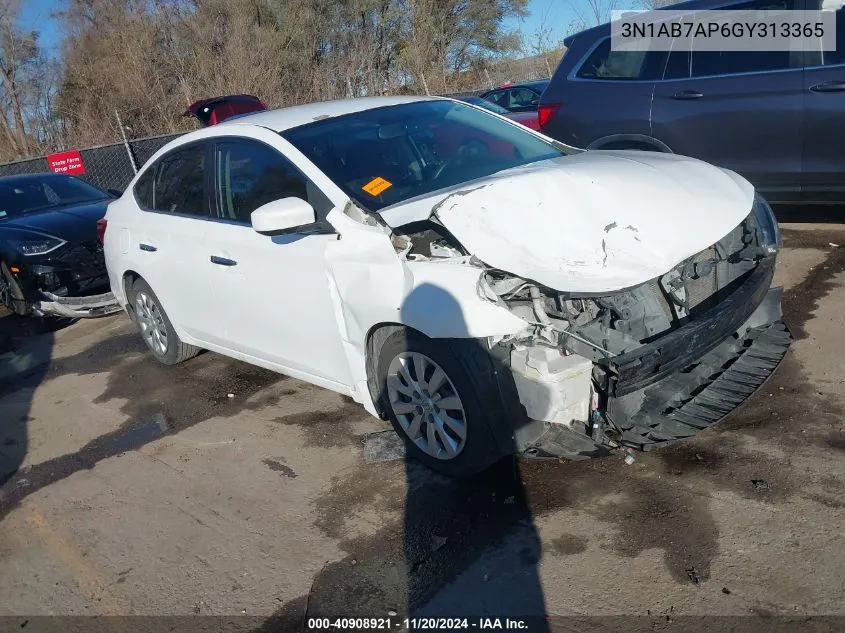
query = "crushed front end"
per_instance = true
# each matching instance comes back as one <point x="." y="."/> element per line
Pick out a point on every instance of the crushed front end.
<point x="652" y="364"/>
<point x="70" y="281"/>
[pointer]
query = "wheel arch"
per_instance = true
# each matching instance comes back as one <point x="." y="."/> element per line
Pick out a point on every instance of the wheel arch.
<point x="376" y="336"/>
<point x="128" y="278"/>
<point x="491" y="371"/>
<point x="634" y="141"/>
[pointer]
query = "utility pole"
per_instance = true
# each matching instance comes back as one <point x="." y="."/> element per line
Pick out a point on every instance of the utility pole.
<point x="126" y="143"/>
<point x="425" y="84"/>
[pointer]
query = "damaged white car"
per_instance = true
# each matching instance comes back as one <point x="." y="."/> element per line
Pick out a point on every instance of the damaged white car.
<point x="485" y="288"/>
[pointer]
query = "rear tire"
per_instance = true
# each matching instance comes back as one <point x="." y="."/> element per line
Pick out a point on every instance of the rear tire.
<point x="435" y="404"/>
<point x="155" y="327"/>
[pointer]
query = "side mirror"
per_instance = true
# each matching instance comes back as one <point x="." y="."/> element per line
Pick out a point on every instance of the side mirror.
<point x="282" y="215"/>
<point x="114" y="192"/>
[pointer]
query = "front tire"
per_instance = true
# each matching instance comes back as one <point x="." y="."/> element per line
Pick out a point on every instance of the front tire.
<point x="11" y="294"/>
<point x="155" y="327"/>
<point x="435" y="404"/>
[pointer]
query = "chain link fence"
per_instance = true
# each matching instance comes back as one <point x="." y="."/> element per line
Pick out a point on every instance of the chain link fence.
<point x="109" y="166"/>
<point x="106" y="166"/>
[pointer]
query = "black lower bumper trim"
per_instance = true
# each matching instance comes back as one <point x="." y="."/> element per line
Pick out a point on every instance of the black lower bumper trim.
<point x="741" y="367"/>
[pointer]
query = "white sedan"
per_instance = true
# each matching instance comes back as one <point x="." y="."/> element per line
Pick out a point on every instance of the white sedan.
<point x="488" y="290"/>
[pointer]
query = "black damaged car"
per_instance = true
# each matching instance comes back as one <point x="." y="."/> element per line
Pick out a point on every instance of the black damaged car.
<point x="51" y="258"/>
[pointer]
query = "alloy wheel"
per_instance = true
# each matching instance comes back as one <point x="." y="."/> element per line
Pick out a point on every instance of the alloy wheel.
<point x="427" y="405"/>
<point x="151" y="322"/>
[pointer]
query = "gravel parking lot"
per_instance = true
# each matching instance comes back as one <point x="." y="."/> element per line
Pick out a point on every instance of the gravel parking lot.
<point x="215" y="487"/>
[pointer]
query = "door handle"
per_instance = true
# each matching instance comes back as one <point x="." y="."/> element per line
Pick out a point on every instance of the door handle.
<point x="829" y="86"/>
<point x="223" y="261"/>
<point x="147" y="247"/>
<point x="685" y="95"/>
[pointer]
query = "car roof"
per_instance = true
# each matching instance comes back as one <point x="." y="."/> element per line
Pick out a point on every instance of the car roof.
<point x="535" y="83"/>
<point x="294" y="116"/>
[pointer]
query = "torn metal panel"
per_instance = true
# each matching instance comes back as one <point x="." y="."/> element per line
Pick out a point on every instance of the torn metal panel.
<point x="371" y="284"/>
<point x="78" y="307"/>
<point x="362" y="260"/>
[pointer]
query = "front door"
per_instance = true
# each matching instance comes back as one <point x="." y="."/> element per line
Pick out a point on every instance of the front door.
<point x="272" y="291"/>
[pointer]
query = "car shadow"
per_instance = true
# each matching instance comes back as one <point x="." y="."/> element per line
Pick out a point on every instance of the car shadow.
<point x="26" y="349"/>
<point x="471" y="547"/>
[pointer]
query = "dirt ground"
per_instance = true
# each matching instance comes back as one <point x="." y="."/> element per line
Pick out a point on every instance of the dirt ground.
<point x="218" y="488"/>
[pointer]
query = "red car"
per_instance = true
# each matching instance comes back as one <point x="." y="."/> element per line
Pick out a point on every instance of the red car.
<point x="217" y="109"/>
<point x="528" y="119"/>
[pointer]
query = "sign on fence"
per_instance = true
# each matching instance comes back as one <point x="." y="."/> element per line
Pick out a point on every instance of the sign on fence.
<point x="69" y="162"/>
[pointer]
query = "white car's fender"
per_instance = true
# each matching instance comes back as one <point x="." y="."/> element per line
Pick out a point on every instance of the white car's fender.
<point x="372" y="285"/>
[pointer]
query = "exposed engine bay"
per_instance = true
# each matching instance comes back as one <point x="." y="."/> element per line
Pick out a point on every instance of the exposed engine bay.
<point x="640" y="366"/>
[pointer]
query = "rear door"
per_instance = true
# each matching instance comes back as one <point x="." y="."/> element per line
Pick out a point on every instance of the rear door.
<point x="736" y="109"/>
<point x="169" y="238"/>
<point x="823" y="157"/>
<point x="606" y="97"/>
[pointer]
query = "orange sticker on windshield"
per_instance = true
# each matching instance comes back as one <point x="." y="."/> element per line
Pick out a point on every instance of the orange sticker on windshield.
<point x="377" y="185"/>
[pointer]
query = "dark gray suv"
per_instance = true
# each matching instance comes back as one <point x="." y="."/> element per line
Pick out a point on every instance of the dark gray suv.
<point x="777" y="118"/>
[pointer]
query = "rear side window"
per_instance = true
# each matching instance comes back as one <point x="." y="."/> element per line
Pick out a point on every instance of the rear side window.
<point x="706" y="63"/>
<point x="144" y="188"/>
<point x="179" y="185"/>
<point x="251" y="174"/>
<point x="682" y="64"/>
<point x="635" y="62"/>
<point x="834" y="57"/>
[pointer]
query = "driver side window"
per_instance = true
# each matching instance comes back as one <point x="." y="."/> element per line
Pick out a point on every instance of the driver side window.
<point x="499" y="97"/>
<point x="250" y="174"/>
<point x="523" y="98"/>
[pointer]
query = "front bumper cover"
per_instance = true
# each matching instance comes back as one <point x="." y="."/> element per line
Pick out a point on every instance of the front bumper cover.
<point x="693" y="397"/>
<point x="674" y="351"/>
<point x="77" y="307"/>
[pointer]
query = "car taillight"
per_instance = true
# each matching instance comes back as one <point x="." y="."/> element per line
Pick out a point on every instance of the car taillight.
<point x="101" y="230"/>
<point x="545" y="113"/>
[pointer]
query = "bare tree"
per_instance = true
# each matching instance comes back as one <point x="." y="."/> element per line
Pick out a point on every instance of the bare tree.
<point x="544" y="45"/>
<point x="652" y="5"/>
<point x="18" y="54"/>
<point x="590" y="13"/>
<point x="148" y="59"/>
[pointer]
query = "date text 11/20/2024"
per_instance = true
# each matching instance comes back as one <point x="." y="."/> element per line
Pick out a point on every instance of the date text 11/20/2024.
<point x="418" y="624"/>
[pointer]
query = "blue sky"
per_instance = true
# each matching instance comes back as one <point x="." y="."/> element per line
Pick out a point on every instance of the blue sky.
<point x="558" y="15"/>
<point x="37" y="15"/>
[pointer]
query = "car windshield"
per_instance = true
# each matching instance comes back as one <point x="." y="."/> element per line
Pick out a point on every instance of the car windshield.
<point x="26" y="195"/>
<point x="487" y="105"/>
<point x="387" y="155"/>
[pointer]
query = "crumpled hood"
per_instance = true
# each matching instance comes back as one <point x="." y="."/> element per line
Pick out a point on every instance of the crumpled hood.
<point x="591" y="222"/>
